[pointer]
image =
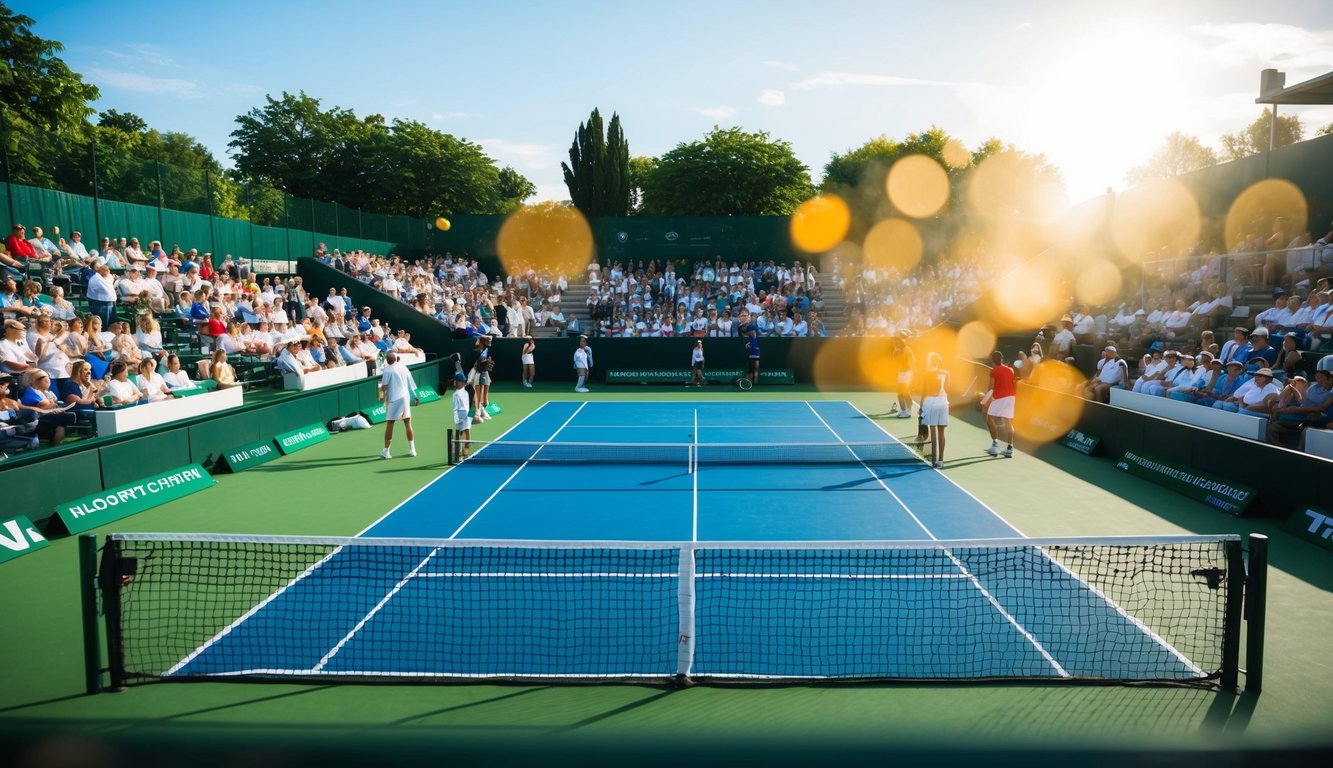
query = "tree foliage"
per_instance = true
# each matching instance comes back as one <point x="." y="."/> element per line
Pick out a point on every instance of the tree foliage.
<point x="43" y="103"/>
<point x="729" y="173"/>
<point x="639" y="169"/>
<point x="597" y="174"/>
<point x="1324" y="131"/>
<point x="1253" y="138"/>
<point x="399" y="167"/>
<point x="1180" y="154"/>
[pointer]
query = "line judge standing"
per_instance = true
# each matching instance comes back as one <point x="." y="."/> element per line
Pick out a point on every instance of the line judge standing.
<point x="398" y="391"/>
<point x="582" y="364"/>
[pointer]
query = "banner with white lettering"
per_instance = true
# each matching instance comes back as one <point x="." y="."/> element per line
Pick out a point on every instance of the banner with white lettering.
<point x="297" y="439"/>
<point x="1082" y="442"/>
<point x="1313" y="525"/>
<point x="18" y="537"/>
<point x="685" y="375"/>
<point x="375" y="414"/>
<point x="246" y="456"/>
<point x="1227" y="496"/>
<point x="113" y="504"/>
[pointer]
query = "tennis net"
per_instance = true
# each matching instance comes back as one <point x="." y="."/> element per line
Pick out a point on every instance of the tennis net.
<point x="190" y="607"/>
<point x="682" y="454"/>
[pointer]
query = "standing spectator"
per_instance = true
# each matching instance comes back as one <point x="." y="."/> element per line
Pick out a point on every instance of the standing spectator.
<point x="901" y="362"/>
<point x="102" y="294"/>
<point x="935" y="407"/>
<point x="529" y="360"/>
<point x="999" y="404"/>
<point x="398" y="391"/>
<point x="480" y="365"/>
<point x="582" y="364"/>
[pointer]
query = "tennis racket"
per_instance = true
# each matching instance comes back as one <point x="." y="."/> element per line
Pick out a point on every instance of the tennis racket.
<point x="744" y="384"/>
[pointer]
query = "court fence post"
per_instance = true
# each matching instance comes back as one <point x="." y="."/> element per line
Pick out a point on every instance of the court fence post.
<point x="1256" y="612"/>
<point x="109" y="579"/>
<point x="450" y="447"/>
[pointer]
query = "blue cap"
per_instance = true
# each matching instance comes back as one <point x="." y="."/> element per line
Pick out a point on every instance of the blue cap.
<point x="459" y="377"/>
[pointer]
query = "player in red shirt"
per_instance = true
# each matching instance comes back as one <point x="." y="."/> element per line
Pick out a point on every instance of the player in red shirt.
<point x="999" y="404"/>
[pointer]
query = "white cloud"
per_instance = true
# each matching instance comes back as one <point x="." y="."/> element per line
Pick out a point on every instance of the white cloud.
<point x="1275" y="45"/>
<point x="522" y="155"/>
<point x="783" y="65"/>
<point x="717" y="113"/>
<point x="840" y="79"/>
<point x="442" y="116"/>
<point x="132" y="81"/>
<point x="772" y="97"/>
<point x="142" y="54"/>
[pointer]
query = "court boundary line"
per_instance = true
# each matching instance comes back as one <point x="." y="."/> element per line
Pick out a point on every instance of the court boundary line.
<point x="192" y="655"/>
<point x="413" y="573"/>
<point x="1022" y="630"/>
<point x="1113" y="605"/>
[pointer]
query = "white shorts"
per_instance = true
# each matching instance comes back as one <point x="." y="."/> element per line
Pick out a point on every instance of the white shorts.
<point x="396" y="410"/>
<point x="935" y="411"/>
<point x="904" y="378"/>
<point x="463" y="424"/>
<point x="1001" y="408"/>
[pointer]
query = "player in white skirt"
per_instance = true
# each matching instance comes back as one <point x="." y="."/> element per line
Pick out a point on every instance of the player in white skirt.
<point x="935" y="406"/>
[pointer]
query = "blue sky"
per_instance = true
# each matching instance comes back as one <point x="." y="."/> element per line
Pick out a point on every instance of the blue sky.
<point x="1095" y="86"/>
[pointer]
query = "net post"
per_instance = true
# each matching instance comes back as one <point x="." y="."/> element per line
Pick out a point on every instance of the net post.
<point x="108" y="580"/>
<point x="1256" y="612"/>
<point x="450" y="447"/>
<point x="1234" y="612"/>
<point x="92" y="637"/>
<point x="685" y="604"/>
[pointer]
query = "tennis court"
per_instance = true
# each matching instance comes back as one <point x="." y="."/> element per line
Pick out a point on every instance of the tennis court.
<point x="775" y="540"/>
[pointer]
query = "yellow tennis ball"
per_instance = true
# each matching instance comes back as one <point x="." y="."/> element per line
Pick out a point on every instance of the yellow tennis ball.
<point x="442" y="224"/>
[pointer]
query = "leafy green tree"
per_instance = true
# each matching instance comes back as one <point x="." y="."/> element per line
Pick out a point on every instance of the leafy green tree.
<point x="125" y="122"/>
<point x="729" y="172"/>
<point x="1253" y="138"/>
<point x="514" y="188"/>
<point x="43" y="103"/>
<point x="1180" y="154"/>
<point x="1326" y="130"/>
<point x="288" y="143"/>
<point x="597" y="173"/>
<point x="435" y="173"/>
<point x="639" y="169"/>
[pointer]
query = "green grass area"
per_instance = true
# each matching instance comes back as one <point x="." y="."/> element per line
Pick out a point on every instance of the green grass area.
<point x="341" y="486"/>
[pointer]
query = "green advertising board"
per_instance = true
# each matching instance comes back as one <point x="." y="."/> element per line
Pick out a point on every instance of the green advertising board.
<point x="299" y="439"/>
<point x="1312" y="525"/>
<point x="427" y="394"/>
<point x="18" y="537"/>
<point x="684" y="376"/>
<point x="113" y="504"/>
<point x="1080" y="441"/>
<point x="375" y="414"/>
<point x="1227" y="496"/>
<point x="247" y="456"/>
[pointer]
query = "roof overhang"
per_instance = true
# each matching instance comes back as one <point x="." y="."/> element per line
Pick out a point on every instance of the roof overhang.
<point x="1317" y="90"/>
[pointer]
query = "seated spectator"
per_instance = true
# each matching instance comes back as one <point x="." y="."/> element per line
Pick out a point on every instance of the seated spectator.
<point x="1152" y="368"/>
<point x="18" y="246"/>
<point x="47" y="343"/>
<point x="10" y="266"/>
<point x="148" y="337"/>
<point x="152" y="385"/>
<point x="12" y="305"/>
<point x="1320" y="332"/>
<point x="1255" y="397"/>
<point x="82" y="390"/>
<point x="220" y="371"/>
<point x="1112" y="373"/>
<point x="1177" y="321"/>
<point x="1177" y="365"/>
<point x="120" y="391"/>
<point x="1198" y="379"/>
<point x="1301" y="404"/>
<point x="16" y="357"/>
<point x="123" y="346"/>
<point x="1062" y="343"/>
<point x="1271" y="317"/>
<point x="1260" y="354"/>
<point x="18" y="427"/>
<point x="1289" y="358"/>
<point x="52" y="418"/>
<point x="1237" y="347"/>
<point x="176" y="378"/>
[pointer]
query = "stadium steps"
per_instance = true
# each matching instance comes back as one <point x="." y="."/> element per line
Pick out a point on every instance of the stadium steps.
<point x="835" y="308"/>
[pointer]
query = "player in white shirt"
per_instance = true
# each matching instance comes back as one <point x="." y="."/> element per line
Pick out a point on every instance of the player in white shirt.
<point x="398" y="390"/>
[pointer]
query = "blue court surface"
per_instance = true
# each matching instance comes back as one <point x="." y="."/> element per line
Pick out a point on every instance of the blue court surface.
<point x="641" y="572"/>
